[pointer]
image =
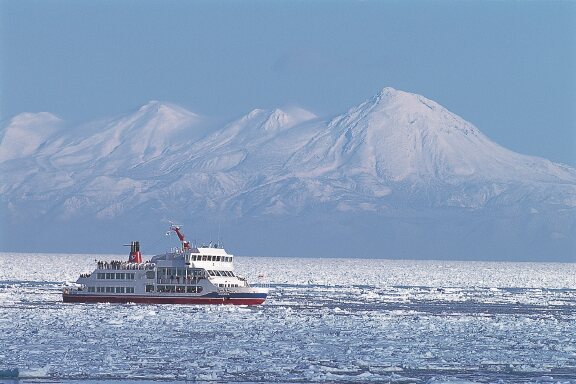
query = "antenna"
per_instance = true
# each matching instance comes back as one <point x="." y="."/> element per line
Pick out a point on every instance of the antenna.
<point x="218" y="239"/>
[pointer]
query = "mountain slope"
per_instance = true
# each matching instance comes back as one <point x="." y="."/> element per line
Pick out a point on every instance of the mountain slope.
<point x="396" y="169"/>
<point x="400" y="136"/>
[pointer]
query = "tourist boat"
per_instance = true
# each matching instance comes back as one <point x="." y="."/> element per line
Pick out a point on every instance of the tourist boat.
<point x="187" y="275"/>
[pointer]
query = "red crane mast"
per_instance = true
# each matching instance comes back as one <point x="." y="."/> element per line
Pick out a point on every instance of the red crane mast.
<point x="185" y="243"/>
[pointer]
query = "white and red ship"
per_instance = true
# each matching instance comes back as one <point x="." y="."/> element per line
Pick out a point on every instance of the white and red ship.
<point x="188" y="275"/>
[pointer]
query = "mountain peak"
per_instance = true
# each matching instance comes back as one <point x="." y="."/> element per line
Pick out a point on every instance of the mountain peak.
<point x="165" y="109"/>
<point x="402" y="136"/>
<point x="389" y="98"/>
<point x="286" y="118"/>
<point x="276" y="119"/>
<point x="388" y="91"/>
<point x="27" y="118"/>
<point x="26" y="133"/>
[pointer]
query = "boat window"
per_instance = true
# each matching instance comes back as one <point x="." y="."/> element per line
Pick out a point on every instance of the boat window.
<point x="204" y="258"/>
<point x="191" y="289"/>
<point x="91" y="289"/>
<point x="109" y="289"/>
<point x="129" y="289"/>
<point x="217" y="273"/>
<point x="119" y="289"/>
<point x="199" y="289"/>
<point x="100" y="275"/>
<point x="120" y="276"/>
<point x="99" y="289"/>
<point x="150" y="288"/>
<point x="211" y="273"/>
<point x="217" y="258"/>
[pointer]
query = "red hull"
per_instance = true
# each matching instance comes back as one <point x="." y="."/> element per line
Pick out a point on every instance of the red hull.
<point x="67" y="298"/>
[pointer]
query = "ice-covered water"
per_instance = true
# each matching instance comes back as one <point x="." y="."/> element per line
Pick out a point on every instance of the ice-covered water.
<point x="326" y="320"/>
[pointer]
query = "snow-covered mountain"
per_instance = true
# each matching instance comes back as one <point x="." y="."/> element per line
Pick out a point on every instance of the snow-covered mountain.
<point x="397" y="174"/>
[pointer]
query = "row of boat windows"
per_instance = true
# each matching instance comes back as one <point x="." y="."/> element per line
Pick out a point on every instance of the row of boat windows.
<point x="226" y="259"/>
<point x="111" y="289"/>
<point x="178" y="280"/>
<point x="221" y="273"/>
<point x="174" y="273"/>
<point x="181" y="272"/>
<point x="174" y="288"/>
<point x="114" y="276"/>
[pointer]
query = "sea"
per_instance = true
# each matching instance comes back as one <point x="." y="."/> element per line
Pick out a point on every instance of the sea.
<point x="325" y="321"/>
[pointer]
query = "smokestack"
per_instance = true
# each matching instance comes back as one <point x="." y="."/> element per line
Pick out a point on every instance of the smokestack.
<point x="135" y="255"/>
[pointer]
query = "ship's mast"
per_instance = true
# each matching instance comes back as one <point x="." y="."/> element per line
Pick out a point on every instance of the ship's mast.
<point x="185" y="243"/>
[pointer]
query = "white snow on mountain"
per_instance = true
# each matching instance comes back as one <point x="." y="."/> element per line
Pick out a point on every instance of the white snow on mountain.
<point x="26" y="134"/>
<point x="400" y="136"/>
<point x="130" y="140"/>
<point x="396" y="155"/>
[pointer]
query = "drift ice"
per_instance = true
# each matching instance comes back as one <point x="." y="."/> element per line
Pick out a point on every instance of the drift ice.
<point x="188" y="275"/>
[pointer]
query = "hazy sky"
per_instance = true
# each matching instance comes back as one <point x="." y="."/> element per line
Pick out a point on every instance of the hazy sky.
<point x="509" y="67"/>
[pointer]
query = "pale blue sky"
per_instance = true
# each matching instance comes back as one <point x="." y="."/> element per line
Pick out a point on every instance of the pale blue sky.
<point x="509" y="67"/>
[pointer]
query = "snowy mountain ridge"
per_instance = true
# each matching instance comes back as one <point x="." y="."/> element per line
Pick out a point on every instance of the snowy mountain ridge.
<point x="391" y="156"/>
